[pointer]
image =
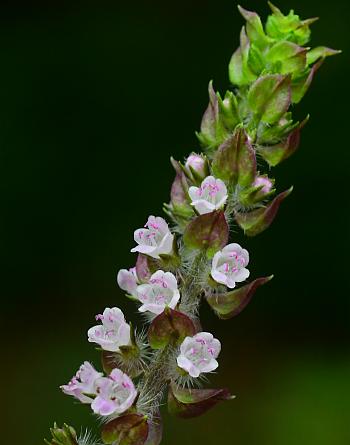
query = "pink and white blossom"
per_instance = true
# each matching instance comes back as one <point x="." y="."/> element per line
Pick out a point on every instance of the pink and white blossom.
<point x="113" y="332"/>
<point x="115" y="394"/>
<point x="82" y="385"/>
<point x="210" y="196"/>
<point x="229" y="265"/>
<point x="198" y="354"/>
<point x="196" y="163"/>
<point x="128" y="280"/>
<point x="159" y="292"/>
<point x="154" y="239"/>
<point x="265" y="183"/>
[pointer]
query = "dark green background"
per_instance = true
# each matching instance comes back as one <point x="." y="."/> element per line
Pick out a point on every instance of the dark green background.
<point x="94" y="98"/>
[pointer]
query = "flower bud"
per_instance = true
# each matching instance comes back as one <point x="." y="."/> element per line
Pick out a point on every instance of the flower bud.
<point x="63" y="436"/>
<point x="261" y="189"/>
<point x="197" y="167"/>
<point x="219" y="119"/>
<point x="288" y="27"/>
<point x="128" y="280"/>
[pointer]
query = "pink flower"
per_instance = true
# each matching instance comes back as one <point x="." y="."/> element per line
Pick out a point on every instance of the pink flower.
<point x="210" y="196"/>
<point x="113" y="332"/>
<point x="196" y="163"/>
<point x="198" y="354"/>
<point x="83" y="383"/>
<point x="228" y="265"/>
<point x="159" y="292"/>
<point x="115" y="394"/>
<point x="265" y="183"/>
<point x="128" y="280"/>
<point x="155" y="239"/>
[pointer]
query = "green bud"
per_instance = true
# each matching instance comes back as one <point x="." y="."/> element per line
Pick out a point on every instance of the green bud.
<point x="63" y="436"/>
<point x="130" y="429"/>
<point x="258" y="220"/>
<point x="269" y="97"/>
<point x="235" y="161"/>
<point x="219" y="119"/>
<point x="170" y="327"/>
<point x="232" y="303"/>
<point x="188" y="403"/>
<point x="288" y="27"/>
<point x="208" y="232"/>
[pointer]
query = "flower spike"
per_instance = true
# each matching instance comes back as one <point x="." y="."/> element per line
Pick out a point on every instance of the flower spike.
<point x="243" y="134"/>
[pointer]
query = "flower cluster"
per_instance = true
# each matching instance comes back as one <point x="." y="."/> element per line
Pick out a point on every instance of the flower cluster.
<point x="190" y="259"/>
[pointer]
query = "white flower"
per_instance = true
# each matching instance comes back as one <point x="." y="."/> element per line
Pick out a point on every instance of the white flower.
<point x="155" y="239"/>
<point x="159" y="292"/>
<point x="113" y="332"/>
<point x="198" y="354"/>
<point x="128" y="280"/>
<point x="228" y="265"/>
<point x="83" y="383"/>
<point x="210" y="196"/>
<point x="115" y="394"/>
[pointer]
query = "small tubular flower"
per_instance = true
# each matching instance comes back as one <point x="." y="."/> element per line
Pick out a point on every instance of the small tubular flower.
<point x="113" y="332"/>
<point x="128" y="280"/>
<point x="83" y="383"/>
<point x="210" y="196"/>
<point x="161" y="291"/>
<point x="115" y="394"/>
<point x="228" y="265"/>
<point x="155" y="239"/>
<point x="198" y="354"/>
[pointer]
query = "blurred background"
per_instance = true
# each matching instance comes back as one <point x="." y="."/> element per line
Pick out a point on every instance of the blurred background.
<point x="94" y="98"/>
